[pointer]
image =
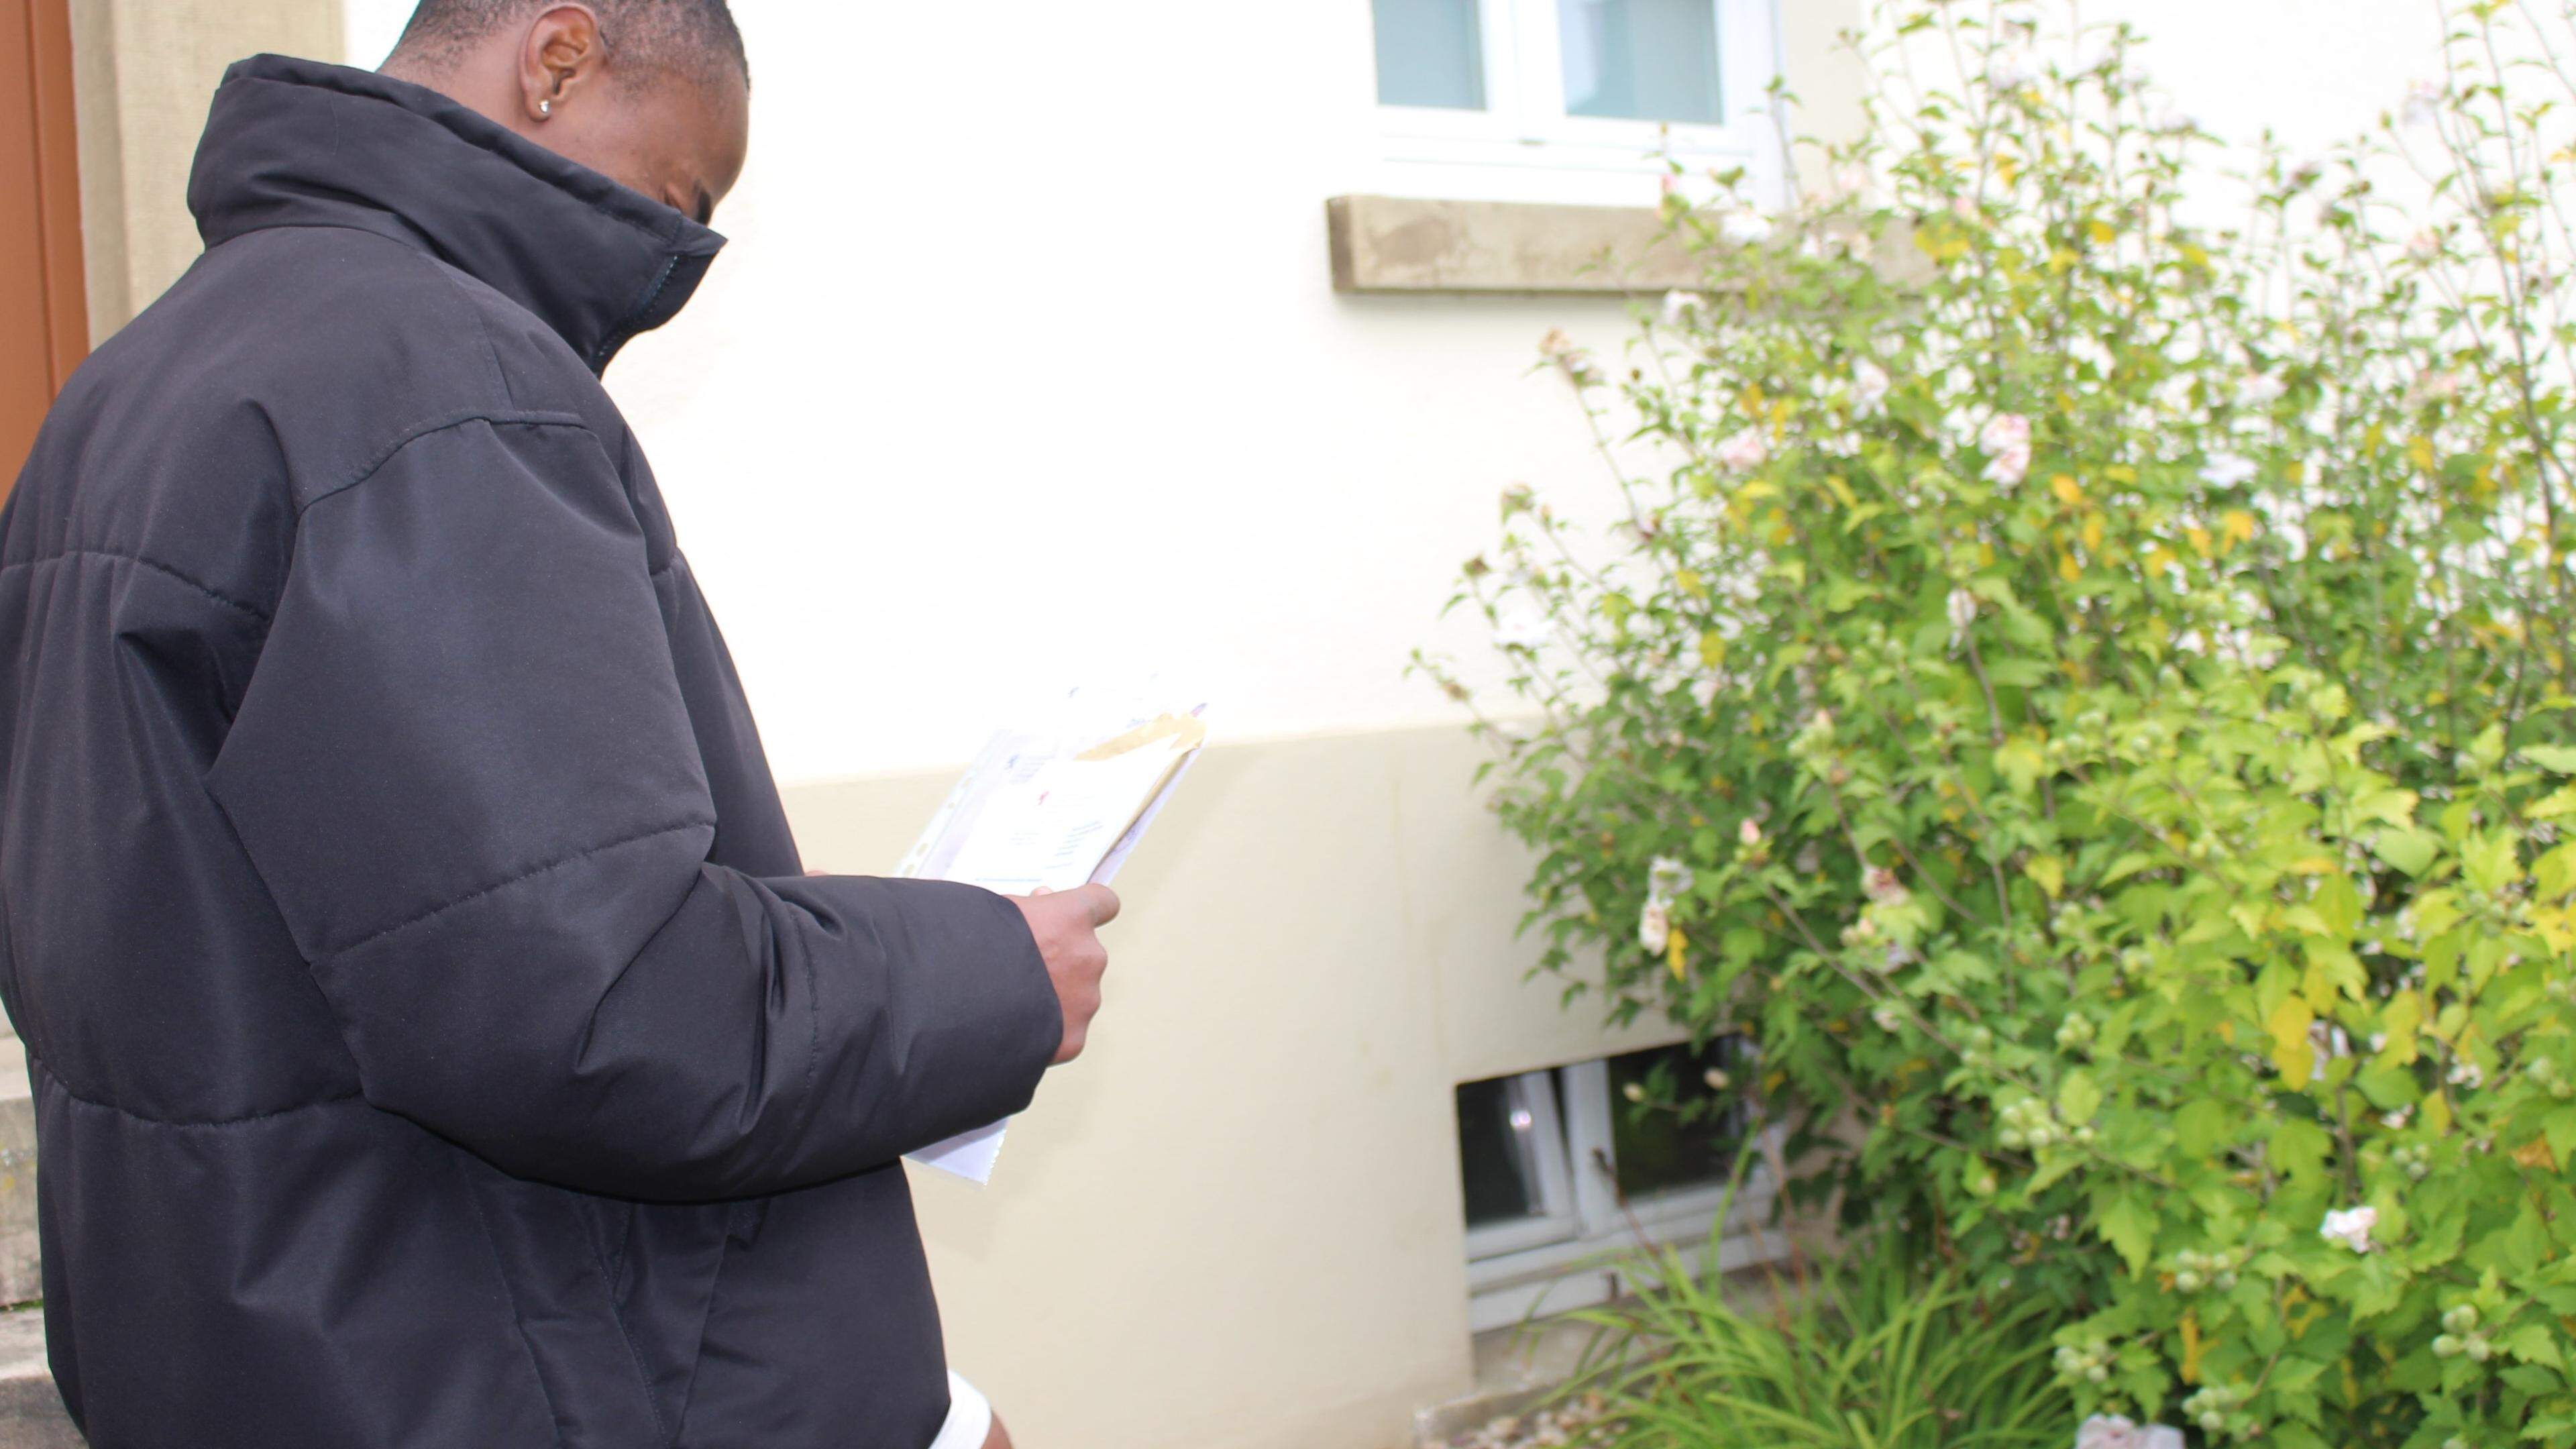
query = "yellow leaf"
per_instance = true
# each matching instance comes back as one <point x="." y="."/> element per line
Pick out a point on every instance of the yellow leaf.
<point x="2101" y="232"/>
<point x="2050" y="872"/>
<point x="1842" y="490"/>
<point x="2121" y="473"/>
<point x="2239" y="525"/>
<point x="2191" y="1346"/>
<point x="2289" y="1030"/>
<point x="2199" y="537"/>
<point x="2419" y="451"/>
<point x="1677" y="954"/>
<point x="2554" y="928"/>
<point x="2312" y="865"/>
<point x="2093" y="532"/>
<point x="2068" y="491"/>
<point x="1689" y="582"/>
<point x="2066" y="568"/>
<point x="1712" y="650"/>
<point x="2536" y="1154"/>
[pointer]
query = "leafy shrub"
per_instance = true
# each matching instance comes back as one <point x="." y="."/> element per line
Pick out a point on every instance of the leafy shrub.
<point x="1868" y="1353"/>
<point x="2083" y="692"/>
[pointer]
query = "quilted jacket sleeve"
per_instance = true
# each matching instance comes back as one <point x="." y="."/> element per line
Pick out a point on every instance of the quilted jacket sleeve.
<point x="463" y="768"/>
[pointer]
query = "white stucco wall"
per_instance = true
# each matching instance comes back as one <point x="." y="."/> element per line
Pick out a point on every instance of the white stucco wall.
<point x="1024" y="368"/>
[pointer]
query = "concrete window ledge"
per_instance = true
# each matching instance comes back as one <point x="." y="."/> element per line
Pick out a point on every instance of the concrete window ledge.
<point x="1392" y="244"/>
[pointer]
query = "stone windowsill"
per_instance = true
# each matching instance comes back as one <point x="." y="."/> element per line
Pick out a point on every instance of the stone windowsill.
<point x="1392" y="244"/>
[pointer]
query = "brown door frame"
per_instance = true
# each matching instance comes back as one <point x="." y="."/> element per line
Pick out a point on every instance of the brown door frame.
<point x="36" y="42"/>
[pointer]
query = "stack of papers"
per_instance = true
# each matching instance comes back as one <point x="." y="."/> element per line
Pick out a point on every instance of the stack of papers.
<point x="1049" y="810"/>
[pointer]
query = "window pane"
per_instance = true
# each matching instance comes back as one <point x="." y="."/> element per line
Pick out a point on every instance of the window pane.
<point x="1657" y="1149"/>
<point x="1498" y="1152"/>
<point x="1430" y="53"/>
<point x="1646" y="60"/>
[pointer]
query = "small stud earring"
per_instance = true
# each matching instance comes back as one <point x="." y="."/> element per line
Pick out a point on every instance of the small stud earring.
<point x="545" y="108"/>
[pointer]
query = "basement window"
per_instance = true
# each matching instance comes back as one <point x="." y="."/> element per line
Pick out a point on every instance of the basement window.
<point x="1560" y="1170"/>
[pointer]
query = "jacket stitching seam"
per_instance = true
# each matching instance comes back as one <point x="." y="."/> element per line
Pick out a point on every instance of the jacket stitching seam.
<point x="715" y="1290"/>
<point x="643" y="1377"/>
<point x="65" y="1088"/>
<point x="483" y="327"/>
<point x="442" y="908"/>
<point x="518" y="1319"/>
<point x="229" y="602"/>
<point x="498" y="418"/>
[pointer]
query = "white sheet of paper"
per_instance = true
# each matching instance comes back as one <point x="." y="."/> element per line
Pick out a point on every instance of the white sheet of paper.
<point x="1029" y="814"/>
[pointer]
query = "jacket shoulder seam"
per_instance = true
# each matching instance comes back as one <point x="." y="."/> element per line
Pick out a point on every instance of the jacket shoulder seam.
<point x="690" y="822"/>
<point x="253" y="611"/>
<point x="387" y="452"/>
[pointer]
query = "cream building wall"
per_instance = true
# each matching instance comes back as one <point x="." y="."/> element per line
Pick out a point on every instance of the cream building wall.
<point x="1024" y="368"/>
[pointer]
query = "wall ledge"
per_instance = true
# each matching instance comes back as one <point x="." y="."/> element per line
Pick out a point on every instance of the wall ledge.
<point x="1390" y="244"/>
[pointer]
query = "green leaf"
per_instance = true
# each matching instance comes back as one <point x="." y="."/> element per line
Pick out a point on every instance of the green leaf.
<point x="2533" y="1343"/>
<point x="2407" y="850"/>
<point x="2556" y="759"/>
<point x="2128" y="1224"/>
<point x="2078" y="1099"/>
<point x="2204" y="1125"/>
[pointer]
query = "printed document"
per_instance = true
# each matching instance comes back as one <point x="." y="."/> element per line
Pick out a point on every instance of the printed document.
<point x="1050" y="809"/>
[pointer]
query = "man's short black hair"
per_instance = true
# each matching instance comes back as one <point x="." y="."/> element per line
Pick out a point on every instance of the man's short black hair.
<point x="692" y="38"/>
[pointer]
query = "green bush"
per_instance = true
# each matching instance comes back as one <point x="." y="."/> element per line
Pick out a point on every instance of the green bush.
<point x="1869" y="1353"/>
<point x="2084" y="694"/>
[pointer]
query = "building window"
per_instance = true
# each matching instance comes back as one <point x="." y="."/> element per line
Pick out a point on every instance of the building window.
<point x="1485" y="89"/>
<point x="1561" y="1171"/>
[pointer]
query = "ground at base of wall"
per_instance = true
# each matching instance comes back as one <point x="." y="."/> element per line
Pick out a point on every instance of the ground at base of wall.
<point x="1540" y="1428"/>
<point x="1521" y="1372"/>
<point x="31" y="1413"/>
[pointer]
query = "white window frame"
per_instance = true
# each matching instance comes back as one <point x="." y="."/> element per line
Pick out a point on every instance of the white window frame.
<point x="1574" y="1265"/>
<point x="1541" y="1141"/>
<point x="1524" y="134"/>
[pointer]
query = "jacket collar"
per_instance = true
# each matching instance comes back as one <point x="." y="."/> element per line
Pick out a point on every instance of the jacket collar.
<point x="298" y="143"/>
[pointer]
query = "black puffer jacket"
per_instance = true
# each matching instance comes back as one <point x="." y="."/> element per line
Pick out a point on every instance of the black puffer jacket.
<point x="435" y="1039"/>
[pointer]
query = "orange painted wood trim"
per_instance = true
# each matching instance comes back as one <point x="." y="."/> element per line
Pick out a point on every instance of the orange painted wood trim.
<point x="49" y="25"/>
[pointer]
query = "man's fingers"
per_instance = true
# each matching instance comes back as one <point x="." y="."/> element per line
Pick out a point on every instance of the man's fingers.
<point x="1103" y="903"/>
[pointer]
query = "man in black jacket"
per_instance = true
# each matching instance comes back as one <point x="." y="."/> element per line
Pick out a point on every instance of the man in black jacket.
<point x="436" y="1039"/>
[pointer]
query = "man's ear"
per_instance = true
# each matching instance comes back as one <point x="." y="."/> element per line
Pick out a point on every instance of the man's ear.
<point x="561" y="58"/>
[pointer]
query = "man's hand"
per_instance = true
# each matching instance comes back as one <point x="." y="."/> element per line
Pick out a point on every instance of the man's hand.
<point x="1066" y="924"/>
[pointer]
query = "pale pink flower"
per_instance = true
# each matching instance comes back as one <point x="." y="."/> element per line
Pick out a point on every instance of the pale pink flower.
<point x="1749" y="834"/>
<point x="2005" y="440"/>
<point x="2227" y="470"/>
<point x="1745" y="451"/>
<point x="1963" y="612"/>
<point x="2350" y="1227"/>
<point x="2423" y="104"/>
<point x="1655" y="927"/>
<point x="1745" y="228"/>
<point x="2011" y="69"/>
<point x="1869" y="388"/>
<point x="1520" y="627"/>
